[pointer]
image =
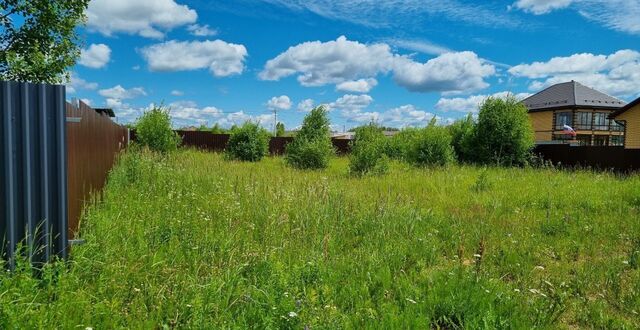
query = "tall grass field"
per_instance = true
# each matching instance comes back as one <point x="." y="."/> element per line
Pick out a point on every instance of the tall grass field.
<point x="192" y="240"/>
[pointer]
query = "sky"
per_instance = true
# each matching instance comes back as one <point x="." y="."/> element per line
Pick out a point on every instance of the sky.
<point x="395" y="62"/>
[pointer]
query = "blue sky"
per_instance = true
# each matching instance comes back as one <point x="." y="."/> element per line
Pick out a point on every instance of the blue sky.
<point x="397" y="62"/>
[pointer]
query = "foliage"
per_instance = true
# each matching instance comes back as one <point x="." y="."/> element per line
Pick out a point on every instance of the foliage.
<point x="217" y="129"/>
<point x="280" y="129"/>
<point x="249" y="142"/>
<point x="153" y="129"/>
<point x="399" y="145"/>
<point x="462" y="138"/>
<point x="311" y="148"/>
<point x="503" y="135"/>
<point x="39" y="39"/>
<point x="368" y="151"/>
<point x="198" y="242"/>
<point x="430" y="146"/>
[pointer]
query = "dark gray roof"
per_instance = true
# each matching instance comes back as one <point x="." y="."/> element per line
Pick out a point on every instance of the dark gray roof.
<point x="571" y="94"/>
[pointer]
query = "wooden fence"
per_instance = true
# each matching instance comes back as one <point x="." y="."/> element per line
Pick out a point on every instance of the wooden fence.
<point x="93" y="144"/>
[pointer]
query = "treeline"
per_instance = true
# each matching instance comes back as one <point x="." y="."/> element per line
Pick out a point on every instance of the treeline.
<point x="500" y="135"/>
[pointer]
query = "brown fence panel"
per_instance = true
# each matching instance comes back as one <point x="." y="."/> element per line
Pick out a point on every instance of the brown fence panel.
<point x="93" y="143"/>
<point x="616" y="158"/>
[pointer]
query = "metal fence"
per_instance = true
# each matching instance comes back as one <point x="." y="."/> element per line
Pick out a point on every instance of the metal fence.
<point x="93" y="144"/>
<point x="33" y="186"/>
<point x="604" y="158"/>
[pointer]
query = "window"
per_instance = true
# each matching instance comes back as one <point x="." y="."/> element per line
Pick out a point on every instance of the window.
<point x="563" y="118"/>
<point x="615" y="126"/>
<point x="600" y="121"/>
<point x="600" y="140"/>
<point x="616" y="140"/>
<point x="583" y="120"/>
<point x="583" y="139"/>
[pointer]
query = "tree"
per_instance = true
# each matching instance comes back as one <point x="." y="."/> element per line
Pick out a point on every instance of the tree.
<point x="280" y="129"/>
<point x="153" y="129"/>
<point x="311" y="147"/>
<point x="216" y="129"/>
<point x="503" y="134"/>
<point x="368" y="151"/>
<point x="462" y="134"/>
<point x="249" y="142"/>
<point x="39" y="40"/>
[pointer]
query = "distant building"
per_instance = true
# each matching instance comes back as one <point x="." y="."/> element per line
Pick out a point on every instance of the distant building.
<point x="584" y="109"/>
<point x="629" y="118"/>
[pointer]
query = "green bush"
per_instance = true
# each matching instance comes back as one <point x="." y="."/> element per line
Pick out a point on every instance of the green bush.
<point x="368" y="151"/>
<point x="398" y="146"/>
<point x="503" y="134"/>
<point x="250" y="143"/>
<point x="311" y="148"/>
<point x="153" y="129"/>
<point x="462" y="138"/>
<point x="430" y="146"/>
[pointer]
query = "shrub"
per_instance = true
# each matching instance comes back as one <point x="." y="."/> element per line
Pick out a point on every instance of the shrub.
<point x="280" y="129"/>
<point x="430" y="146"/>
<point x="153" y="129"/>
<point x="398" y="146"/>
<point x="503" y="134"/>
<point x="462" y="134"/>
<point x="250" y="143"/>
<point x="311" y="148"/>
<point x="368" y="152"/>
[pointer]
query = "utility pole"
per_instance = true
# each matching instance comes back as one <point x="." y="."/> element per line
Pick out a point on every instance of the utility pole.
<point x="275" y="121"/>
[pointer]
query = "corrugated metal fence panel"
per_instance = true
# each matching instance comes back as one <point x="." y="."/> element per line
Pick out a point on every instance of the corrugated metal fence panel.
<point x="33" y="191"/>
<point x="93" y="144"/>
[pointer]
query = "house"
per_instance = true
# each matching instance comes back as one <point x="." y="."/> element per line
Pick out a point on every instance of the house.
<point x="579" y="107"/>
<point x="629" y="117"/>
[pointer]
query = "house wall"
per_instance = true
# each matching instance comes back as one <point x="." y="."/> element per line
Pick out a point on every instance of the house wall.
<point x="632" y="119"/>
<point x="542" y="123"/>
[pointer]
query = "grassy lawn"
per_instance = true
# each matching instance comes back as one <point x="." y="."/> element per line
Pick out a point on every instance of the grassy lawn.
<point x="197" y="241"/>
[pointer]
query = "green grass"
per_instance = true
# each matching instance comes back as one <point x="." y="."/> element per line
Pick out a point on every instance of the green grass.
<point x="195" y="241"/>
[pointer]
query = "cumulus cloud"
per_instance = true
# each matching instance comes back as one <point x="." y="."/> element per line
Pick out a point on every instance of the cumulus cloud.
<point x="450" y="72"/>
<point x="406" y="115"/>
<point x="472" y="103"/>
<point x="121" y="93"/>
<point x="351" y="103"/>
<point x="342" y="62"/>
<point x="539" y="7"/>
<point x="201" y="30"/>
<point x="306" y="105"/>
<point x="76" y="83"/>
<point x="147" y="18"/>
<point x="357" y="86"/>
<point x="279" y="103"/>
<point x="221" y="58"/>
<point x="617" y="74"/>
<point x="96" y="56"/>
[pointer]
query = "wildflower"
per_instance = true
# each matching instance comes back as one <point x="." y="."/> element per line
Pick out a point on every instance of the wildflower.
<point x="411" y="301"/>
<point x="293" y="314"/>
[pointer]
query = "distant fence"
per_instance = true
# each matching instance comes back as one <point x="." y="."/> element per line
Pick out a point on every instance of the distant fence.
<point x="33" y="183"/>
<point x="53" y="156"/>
<point x="93" y="143"/>
<point x="616" y="158"/>
<point x="218" y="142"/>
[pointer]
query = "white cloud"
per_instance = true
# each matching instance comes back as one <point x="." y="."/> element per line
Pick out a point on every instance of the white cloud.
<point x="539" y="7"/>
<point x="76" y="83"/>
<point x="361" y="117"/>
<point x="306" y="105"/>
<point x="351" y="103"/>
<point x="279" y="103"/>
<point x="357" y="86"/>
<point x="406" y="115"/>
<point x="406" y="13"/>
<point x="86" y="101"/>
<point x="472" y="103"/>
<point x="336" y="62"/>
<point x="221" y="58"/>
<point x="96" y="56"/>
<point x="176" y="92"/>
<point x="619" y="15"/>
<point x="450" y="72"/>
<point x="120" y="93"/>
<point x="617" y="74"/>
<point x="422" y="46"/>
<point x="147" y="18"/>
<point x="114" y="103"/>
<point x="201" y="30"/>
